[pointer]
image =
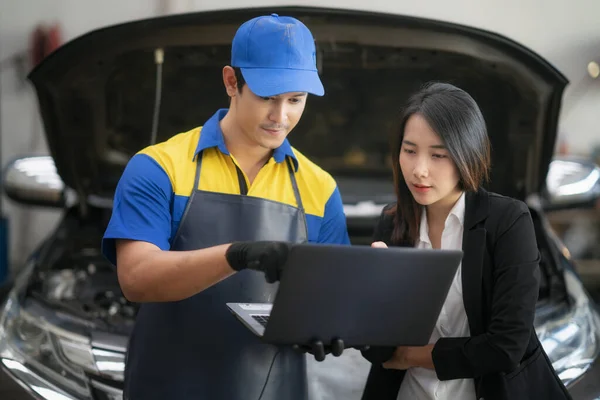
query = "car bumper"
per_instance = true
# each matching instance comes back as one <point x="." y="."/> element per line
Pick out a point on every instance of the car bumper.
<point x="588" y="387"/>
<point x="17" y="382"/>
<point x="10" y="389"/>
<point x="27" y="384"/>
<point x="4" y="289"/>
<point x="21" y="383"/>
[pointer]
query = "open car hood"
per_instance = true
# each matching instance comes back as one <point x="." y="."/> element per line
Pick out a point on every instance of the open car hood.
<point x="97" y="92"/>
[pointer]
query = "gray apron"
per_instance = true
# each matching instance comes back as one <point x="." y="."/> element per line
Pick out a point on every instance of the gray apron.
<point x="195" y="348"/>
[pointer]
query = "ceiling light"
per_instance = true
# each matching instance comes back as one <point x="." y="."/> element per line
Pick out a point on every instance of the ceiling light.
<point x="593" y="69"/>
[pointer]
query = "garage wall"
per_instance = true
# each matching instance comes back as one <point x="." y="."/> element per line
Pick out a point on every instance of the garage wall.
<point x="21" y="128"/>
<point x="568" y="35"/>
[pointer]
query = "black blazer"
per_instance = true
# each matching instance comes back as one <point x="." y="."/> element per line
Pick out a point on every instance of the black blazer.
<point x="500" y="278"/>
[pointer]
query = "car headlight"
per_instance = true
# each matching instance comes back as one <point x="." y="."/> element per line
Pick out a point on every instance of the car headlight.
<point x="48" y="352"/>
<point x="571" y="341"/>
<point x="60" y="357"/>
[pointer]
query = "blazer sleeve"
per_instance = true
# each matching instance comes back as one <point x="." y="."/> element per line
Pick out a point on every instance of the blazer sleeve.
<point x="515" y="278"/>
<point x="383" y="232"/>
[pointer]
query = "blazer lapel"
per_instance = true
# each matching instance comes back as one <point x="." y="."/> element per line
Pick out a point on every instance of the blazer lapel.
<point x="476" y="210"/>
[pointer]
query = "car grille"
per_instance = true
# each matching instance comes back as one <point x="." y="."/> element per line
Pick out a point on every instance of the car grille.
<point x="105" y="389"/>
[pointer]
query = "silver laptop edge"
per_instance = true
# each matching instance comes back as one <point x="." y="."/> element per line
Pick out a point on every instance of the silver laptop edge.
<point x="245" y="311"/>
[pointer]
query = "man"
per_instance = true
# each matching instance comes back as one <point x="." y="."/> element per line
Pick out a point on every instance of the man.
<point x="180" y="204"/>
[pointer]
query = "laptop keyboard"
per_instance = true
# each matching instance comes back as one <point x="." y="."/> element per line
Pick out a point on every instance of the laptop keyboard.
<point x="261" y="319"/>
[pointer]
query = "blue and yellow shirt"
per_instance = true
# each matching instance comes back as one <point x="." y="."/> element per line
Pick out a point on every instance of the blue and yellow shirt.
<point x="155" y="186"/>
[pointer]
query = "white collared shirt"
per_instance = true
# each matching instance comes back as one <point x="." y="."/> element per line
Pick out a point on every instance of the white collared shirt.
<point x="422" y="383"/>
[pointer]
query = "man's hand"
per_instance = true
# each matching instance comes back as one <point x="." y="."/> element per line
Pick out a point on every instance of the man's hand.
<point x="264" y="256"/>
<point x="319" y="350"/>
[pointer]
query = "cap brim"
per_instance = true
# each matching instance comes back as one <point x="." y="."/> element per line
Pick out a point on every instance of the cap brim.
<point x="266" y="82"/>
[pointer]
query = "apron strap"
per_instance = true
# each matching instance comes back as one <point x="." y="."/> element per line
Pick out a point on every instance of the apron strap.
<point x="198" y="167"/>
<point x="240" y="174"/>
<point x="294" y="183"/>
<point x="242" y="180"/>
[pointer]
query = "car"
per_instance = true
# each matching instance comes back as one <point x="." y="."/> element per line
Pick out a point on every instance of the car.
<point x="572" y="182"/>
<point x="104" y="96"/>
<point x="573" y="208"/>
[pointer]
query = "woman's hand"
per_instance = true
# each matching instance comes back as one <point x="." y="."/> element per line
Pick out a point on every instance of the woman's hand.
<point x="398" y="360"/>
<point x="379" y="245"/>
<point x="406" y="357"/>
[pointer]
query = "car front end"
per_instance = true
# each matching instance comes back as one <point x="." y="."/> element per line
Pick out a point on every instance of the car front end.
<point x="65" y="324"/>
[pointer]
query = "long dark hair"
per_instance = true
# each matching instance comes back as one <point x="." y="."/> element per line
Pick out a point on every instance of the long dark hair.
<point x="455" y="117"/>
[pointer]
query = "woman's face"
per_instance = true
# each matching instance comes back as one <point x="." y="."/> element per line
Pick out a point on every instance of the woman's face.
<point x="427" y="168"/>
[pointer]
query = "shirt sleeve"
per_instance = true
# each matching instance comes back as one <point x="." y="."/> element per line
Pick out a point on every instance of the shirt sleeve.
<point x="333" y="228"/>
<point x="515" y="276"/>
<point x="141" y="206"/>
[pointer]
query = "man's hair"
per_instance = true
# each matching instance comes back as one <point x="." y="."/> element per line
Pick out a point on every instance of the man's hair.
<point x="240" y="78"/>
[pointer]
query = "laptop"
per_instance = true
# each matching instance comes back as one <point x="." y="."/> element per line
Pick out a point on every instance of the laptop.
<point x="363" y="295"/>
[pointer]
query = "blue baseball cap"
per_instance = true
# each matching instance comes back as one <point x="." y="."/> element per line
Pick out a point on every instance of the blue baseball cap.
<point x="276" y="55"/>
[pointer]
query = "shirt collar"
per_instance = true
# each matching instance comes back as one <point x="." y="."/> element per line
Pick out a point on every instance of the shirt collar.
<point x="457" y="212"/>
<point x="423" y="227"/>
<point x="212" y="136"/>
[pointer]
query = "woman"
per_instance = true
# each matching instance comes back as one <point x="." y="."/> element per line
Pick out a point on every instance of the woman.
<point x="483" y="344"/>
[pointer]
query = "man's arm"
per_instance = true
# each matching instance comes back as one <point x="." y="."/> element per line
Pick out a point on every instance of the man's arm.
<point x="333" y="228"/>
<point x="137" y="242"/>
<point x="148" y="274"/>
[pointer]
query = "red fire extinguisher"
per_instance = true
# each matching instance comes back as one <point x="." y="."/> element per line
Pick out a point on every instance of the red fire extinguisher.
<point x="44" y="40"/>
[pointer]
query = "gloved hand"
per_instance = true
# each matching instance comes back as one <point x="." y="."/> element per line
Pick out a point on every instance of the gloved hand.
<point x="264" y="256"/>
<point x="319" y="350"/>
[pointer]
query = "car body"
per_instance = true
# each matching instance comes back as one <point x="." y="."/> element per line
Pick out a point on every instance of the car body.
<point x="64" y="327"/>
<point x="573" y="207"/>
<point x="572" y="182"/>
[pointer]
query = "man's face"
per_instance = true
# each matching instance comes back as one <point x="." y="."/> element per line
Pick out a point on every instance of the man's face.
<point x="266" y="121"/>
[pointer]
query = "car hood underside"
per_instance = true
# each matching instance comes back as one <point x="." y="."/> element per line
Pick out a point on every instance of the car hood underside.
<point x="97" y="93"/>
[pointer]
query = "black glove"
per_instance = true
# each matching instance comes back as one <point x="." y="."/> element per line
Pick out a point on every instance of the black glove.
<point x="263" y="256"/>
<point x="319" y="350"/>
